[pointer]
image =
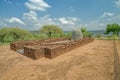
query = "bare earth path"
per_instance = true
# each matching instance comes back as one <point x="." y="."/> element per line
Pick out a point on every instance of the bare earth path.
<point x="93" y="61"/>
<point x="117" y="61"/>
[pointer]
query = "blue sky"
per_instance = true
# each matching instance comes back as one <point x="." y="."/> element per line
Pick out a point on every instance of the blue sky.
<point x="68" y="14"/>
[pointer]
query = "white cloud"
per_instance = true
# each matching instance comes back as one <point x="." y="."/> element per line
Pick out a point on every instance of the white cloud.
<point x="46" y="20"/>
<point x="96" y="25"/>
<point x="39" y="5"/>
<point x="63" y="20"/>
<point x="83" y="25"/>
<point x="118" y="16"/>
<point x="49" y="19"/>
<point x="16" y="20"/>
<point x="3" y="24"/>
<point x="31" y="20"/>
<point x="35" y="22"/>
<point x="68" y="20"/>
<point x="107" y="14"/>
<point x="117" y="3"/>
<point x="31" y="17"/>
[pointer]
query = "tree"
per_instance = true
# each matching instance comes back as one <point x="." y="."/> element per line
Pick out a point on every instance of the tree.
<point x="85" y="32"/>
<point x="49" y="30"/>
<point x="114" y="28"/>
<point x="68" y="35"/>
<point x="14" y="34"/>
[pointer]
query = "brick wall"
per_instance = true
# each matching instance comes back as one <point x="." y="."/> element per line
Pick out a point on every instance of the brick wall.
<point x="36" y="49"/>
<point x="20" y="44"/>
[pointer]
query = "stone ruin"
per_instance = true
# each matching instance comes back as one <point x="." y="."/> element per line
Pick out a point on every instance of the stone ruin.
<point x="77" y="34"/>
<point x="49" y="48"/>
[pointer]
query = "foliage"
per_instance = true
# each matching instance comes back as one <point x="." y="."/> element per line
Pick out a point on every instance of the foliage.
<point x="98" y="35"/>
<point x="14" y="34"/>
<point x="85" y="32"/>
<point x="68" y="35"/>
<point x="51" y="30"/>
<point x="114" y="28"/>
<point x="40" y="36"/>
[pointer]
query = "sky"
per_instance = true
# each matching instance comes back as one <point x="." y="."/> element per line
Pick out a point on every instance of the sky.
<point x="67" y="14"/>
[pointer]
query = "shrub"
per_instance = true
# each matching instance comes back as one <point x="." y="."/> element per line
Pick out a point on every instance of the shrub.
<point x="85" y="32"/>
<point x="14" y="34"/>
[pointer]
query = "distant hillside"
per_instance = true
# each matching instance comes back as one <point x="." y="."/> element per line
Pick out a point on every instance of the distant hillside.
<point x="93" y="32"/>
<point x="97" y="31"/>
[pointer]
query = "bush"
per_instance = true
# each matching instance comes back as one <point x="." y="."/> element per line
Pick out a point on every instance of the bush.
<point x="14" y="34"/>
<point x="68" y="35"/>
<point x="40" y="36"/>
<point x="98" y="35"/>
<point x="85" y="32"/>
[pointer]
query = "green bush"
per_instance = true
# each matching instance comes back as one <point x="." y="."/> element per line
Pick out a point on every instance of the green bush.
<point x="98" y="35"/>
<point x="68" y="35"/>
<point x="40" y="36"/>
<point x="85" y="32"/>
<point x="14" y="34"/>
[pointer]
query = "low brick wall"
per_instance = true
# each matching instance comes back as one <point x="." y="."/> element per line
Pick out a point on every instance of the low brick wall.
<point x="52" y="50"/>
<point x="49" y="48"/>
<point x="34" y="52"/>
<point x="20" y="44"/>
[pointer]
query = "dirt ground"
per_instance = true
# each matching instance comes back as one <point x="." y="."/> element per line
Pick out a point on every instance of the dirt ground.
<point x="94" y="61"/>
<point x="117" y="61"/>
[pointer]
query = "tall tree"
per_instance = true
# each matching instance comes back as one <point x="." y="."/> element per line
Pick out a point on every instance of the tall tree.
<point x="114" y="28"/>
<point x="49" y="30"/>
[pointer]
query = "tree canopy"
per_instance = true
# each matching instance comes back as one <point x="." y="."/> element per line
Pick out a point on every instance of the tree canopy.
<point x="14" y="34"/>
<point x="49" y="30"/>
<point x="85" y="32"/>
<point x="114" y="28"/>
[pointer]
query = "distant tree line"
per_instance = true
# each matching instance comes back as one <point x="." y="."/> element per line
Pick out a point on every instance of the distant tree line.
<point x="17" y="34"/>
<point x="47" y="31"/>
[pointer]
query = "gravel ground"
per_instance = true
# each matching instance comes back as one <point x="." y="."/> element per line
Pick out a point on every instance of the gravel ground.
<point x="94" y="61"/>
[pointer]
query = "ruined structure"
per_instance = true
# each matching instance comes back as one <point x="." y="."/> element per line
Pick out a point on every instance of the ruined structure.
<point x="49" y="48"/>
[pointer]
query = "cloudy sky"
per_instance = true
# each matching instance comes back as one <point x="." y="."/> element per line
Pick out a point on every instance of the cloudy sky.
<point x="68" y="14"/>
